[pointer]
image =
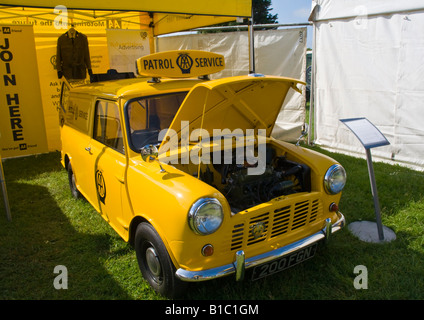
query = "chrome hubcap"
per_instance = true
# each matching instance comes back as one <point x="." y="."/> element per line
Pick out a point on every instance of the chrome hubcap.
<point x="153" y="263"/>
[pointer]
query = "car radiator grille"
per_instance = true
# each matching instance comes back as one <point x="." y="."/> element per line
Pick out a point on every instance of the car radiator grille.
<point x="275" y="222"/>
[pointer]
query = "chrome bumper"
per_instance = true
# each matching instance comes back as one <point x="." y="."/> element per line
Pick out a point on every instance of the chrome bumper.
<point x="240" y="263"/>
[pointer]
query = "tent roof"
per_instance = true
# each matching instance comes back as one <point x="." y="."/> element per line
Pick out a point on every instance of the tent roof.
<point x="235" y="8"/>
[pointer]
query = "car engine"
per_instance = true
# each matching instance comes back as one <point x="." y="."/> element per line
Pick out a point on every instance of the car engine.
<point x="243" y="191"/>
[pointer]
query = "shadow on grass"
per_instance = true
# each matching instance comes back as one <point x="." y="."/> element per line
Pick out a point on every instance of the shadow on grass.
<point x="40" y="237"/>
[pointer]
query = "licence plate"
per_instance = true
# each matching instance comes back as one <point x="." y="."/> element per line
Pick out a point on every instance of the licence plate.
<point x="283" y="263"/>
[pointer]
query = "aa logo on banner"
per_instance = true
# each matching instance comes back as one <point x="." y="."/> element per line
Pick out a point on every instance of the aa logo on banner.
<point x="21" y="111"/>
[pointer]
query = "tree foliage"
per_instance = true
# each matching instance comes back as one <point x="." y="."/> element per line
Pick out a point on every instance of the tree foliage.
<point x="261" y="12"/>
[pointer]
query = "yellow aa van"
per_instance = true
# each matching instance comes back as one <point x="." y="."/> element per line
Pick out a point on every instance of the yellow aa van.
<point x="186" y="170"/>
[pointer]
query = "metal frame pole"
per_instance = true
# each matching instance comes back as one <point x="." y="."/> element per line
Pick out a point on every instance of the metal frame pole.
<point x="5" y="197"/>
<point x="375" y="195"/>
<point x="312" y="122"/>
<point x="252" y="46"/>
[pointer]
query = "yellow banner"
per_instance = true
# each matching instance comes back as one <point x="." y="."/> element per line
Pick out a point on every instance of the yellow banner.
<point x="60" y="18"/>
<point x="21" y="111"/>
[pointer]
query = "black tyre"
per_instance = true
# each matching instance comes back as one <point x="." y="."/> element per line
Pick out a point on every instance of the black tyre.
<point x="155" y="263"/>
<point x="72" y="185"/>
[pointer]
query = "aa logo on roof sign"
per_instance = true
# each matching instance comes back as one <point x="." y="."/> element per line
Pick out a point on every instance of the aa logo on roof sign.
<point x="180" y="64"/>
<point x="185" y="62"/>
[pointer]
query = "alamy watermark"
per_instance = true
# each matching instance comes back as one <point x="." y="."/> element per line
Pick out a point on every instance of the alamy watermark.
<point x="61" y="21"/>
<point x="199" y="147"/>
<point x="361" y="19"/>
<point x="361" y="280"/>
<point x="60" y="281"/>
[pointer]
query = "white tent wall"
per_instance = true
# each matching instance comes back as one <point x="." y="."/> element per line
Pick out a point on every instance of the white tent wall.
<point x="277" y="52"/>
<point x="369" y="63"/>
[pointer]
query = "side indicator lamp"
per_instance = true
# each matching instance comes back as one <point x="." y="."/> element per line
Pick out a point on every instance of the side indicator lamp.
<point x="334" y="207"/>
<point x="207" y="250"/>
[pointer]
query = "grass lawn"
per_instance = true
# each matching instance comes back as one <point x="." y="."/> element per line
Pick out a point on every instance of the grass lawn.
<point x="50" y="228"/>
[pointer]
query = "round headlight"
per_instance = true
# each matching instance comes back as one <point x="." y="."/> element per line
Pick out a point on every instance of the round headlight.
<point x="205" y="216"/>
<point x="335" y="179"/>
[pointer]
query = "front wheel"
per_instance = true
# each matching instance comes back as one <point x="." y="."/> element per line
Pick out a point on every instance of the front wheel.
<point x="72" y="184"/>
<point x="155" y="263"/>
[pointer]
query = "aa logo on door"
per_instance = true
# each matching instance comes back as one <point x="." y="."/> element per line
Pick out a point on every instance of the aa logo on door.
<point x="101" y="186"/>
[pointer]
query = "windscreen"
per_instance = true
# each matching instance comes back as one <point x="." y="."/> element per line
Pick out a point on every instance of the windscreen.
<point x="147" y="116"/>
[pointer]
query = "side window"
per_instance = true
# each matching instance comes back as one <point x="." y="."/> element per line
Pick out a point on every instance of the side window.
<point x="107" y="125"/>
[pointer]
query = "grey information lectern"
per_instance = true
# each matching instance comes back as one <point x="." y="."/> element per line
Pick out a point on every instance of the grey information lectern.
<point x="370" y="137"/>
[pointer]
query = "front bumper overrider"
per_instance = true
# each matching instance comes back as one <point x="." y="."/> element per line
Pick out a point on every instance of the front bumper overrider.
<point x="241" y="263"/>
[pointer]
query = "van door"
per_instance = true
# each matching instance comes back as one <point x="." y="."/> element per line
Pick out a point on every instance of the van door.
<point x="77" y="113"/>
<point x="108" y="152"/>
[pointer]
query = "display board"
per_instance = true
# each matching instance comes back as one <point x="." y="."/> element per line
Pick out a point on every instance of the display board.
<point x="22" y="118"/>
<point x="366" y="132"/>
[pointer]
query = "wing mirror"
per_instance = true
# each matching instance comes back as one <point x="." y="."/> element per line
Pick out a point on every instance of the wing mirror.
<point x="304" y="133"/>
<point x="149" y="153"/>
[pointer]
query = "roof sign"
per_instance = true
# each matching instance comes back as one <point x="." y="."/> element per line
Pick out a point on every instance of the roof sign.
<point x="180" y="64"/>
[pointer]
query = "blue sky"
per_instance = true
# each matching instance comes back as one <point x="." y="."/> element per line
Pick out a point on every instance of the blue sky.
<point x="293" y="11"/>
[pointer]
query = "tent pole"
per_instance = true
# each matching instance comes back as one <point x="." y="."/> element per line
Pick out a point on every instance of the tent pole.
<point x="252" y="46"/>
<point x="312" y="122"/>
<point x="5" y="197"/>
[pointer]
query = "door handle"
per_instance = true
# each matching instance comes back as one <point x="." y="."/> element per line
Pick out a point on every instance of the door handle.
<point x="121" y="179"/>
<point x="88" y="149"/>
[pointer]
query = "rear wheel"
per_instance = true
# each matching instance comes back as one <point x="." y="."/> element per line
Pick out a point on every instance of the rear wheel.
<point x="155" y="263"/>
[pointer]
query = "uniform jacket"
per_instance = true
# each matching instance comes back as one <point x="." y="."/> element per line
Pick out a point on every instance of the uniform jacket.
<point x="73" y="56"/>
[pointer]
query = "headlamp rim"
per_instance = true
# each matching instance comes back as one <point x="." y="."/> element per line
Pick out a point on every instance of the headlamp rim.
<point x="329" y="174"/>
<point x="194" y="209"/>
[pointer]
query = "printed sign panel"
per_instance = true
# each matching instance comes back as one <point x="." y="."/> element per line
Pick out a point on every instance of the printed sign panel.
<point x="125" y="47"/>
<point x="180" y="64"/>
<point x="366" y="132"/>
<point x="21" y="112"/>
